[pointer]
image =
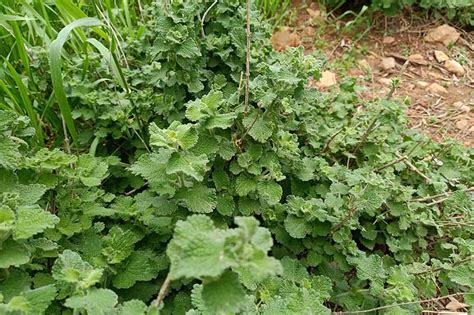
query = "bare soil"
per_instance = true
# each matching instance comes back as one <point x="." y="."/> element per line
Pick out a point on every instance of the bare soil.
<point x="444" y="110"/>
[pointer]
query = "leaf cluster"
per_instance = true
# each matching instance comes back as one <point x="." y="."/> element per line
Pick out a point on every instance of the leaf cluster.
<point x="301" y="202"/>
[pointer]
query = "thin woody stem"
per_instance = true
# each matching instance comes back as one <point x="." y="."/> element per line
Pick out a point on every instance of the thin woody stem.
<point x="247" y="60"/>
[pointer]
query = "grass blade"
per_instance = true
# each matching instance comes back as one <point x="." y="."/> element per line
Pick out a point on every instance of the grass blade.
<point x="69" y="8"/>
<point x="55" y="61"/>
<point x="20" y="45"/>
<point x="111" y="61"/>
<point x="26" y="102"/>
<point x="12" y="97"/>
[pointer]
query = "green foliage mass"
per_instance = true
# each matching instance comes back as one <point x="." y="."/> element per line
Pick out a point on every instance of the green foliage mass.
<point x="299" y="202"/>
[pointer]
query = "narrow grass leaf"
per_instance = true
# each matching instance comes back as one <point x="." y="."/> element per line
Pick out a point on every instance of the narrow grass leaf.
<point x="55" y="52"/>
<point x="111" y="61"/>
<point x="26" y="104"/>
<point x="20" y="45"/>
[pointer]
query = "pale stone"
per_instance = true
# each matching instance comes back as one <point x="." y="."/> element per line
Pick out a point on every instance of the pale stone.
<point x="436" y="88"/>
<point x="422" y="84"/>
<point x="443" y="34"/>
<point x="440" y="56"/>
<point x="416" y="58"/>
<point x="388" y="63"/>
<point x="454" y="67"/>
<point x="328" y="79"/>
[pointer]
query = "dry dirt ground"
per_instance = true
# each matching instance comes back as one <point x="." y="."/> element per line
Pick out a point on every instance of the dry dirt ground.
<point x="433" y="61"/>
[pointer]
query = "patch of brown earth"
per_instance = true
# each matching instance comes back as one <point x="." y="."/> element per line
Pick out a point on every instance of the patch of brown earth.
<point x="433" y="61"/>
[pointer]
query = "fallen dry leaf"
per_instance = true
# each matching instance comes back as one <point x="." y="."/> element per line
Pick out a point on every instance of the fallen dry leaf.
<point x="284" y="38"/>
<point x="455" y="305"/>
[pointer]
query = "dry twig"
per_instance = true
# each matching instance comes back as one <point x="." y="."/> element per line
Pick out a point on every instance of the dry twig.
<point x="401" y="158"/>
<point x="445" y="194"/>
<point x="414" y="168"/>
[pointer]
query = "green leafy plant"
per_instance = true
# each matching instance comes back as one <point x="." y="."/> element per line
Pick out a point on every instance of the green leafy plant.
<point x="180" y="198"/>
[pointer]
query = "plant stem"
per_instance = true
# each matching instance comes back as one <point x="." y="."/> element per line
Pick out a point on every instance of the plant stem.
<point x="66" y="138"/>
<point x="326" y="146"/>
<point x="415" y="169"/>
<point x="247" y="59"/>
<point x="445" y="194"/>
<point x="163" y="290"/>
<point x="460" y="262"/>
<point x="401" y="158"/>
<point x="366" y="134"/>
<point x="344" y="220"/>
<point x="204" y="17"/>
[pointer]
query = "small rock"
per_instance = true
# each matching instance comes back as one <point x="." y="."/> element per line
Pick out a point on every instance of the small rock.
<point x="440" y="56"/>
<point x="328" y="79"/>
<point x="444" y="34"/>
<point x="417" y="58"/>
<point x="385" y="81"/>
<point x="388" y="63"/>
<point x="463" y="124"/>
<point x="436" y="89"/>
<point x="462" y="107"/>
<point x="284" y="38"/>
<point x="422" y="84"/>
<point x="454" y="67"/>
<point x="388" y="40"/>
